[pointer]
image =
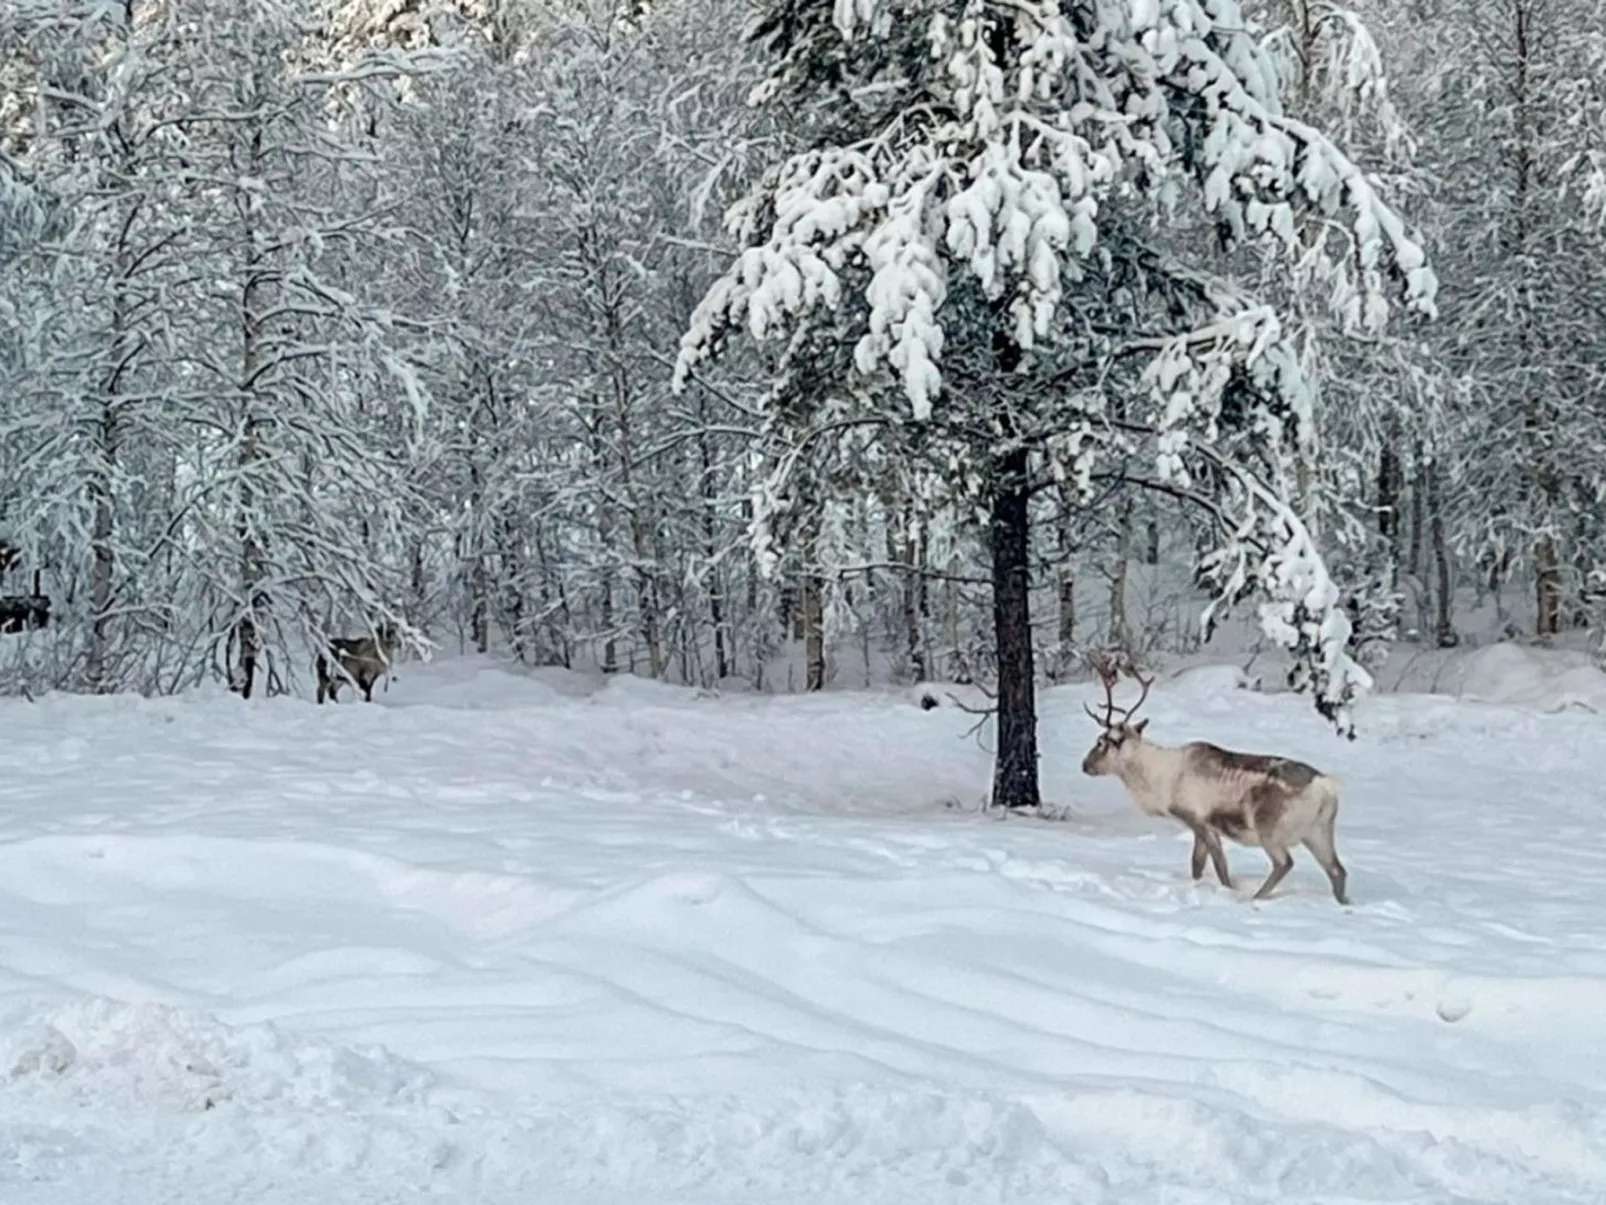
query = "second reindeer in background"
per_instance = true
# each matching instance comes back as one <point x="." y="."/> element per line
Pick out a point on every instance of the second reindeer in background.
<point x="360" y="659"/>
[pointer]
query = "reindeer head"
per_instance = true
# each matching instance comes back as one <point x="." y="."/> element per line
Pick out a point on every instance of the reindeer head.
<point x="1121" y="739"/>
<point x="388" y="637"/>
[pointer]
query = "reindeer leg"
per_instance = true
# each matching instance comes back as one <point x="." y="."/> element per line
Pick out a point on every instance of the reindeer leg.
<point x="1205" y="842"/>
<point x="1218" y="857"/>
<point x="1281" y="863"/>
<point x="1320" y="844"/>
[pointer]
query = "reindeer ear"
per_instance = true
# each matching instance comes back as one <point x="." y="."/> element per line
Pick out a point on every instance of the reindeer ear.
<point x="1141" y="725"/>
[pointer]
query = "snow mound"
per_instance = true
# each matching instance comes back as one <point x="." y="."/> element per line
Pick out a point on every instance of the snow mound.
<point x="469" y="684"/>
<point x="1199" y="680"/>
<point x="153" y="1055"/>
<point x="1548" y="680"/>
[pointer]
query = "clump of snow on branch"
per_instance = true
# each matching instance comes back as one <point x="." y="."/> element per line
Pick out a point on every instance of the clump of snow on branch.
<point x="1270" y="550"/>
<point x="1334" y="62"/>
<point x="1189" y="381"/>
<point x="1267" y="546"/>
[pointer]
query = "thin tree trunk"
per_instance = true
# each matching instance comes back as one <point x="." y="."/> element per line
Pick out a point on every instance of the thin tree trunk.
<point x="1389" y="482"/>
<point x="1119" y="633"/>
<point x="923" y="600"/>
<point x="103" y="560"/>
<point x="906" y="550"/>
<point x="913" y="628"/>
<point x="1065" y="629"/>
<point x="1418" y="510"/>
<point x="716" y="588"/>
<point x="419" y="589"/>
<point x="479" y="606"/>
<point x="1066" y="634"/>
<point x="610" y="648"/>
<point x="1015" y="769"/>
<point x="511" y="585"/>
<point x="1444" y="623"/>
<point x="253" y="555"/>
<point x="813" y="632"/>
<point x="1547" y="587"/>
<point x="961" y="664"/>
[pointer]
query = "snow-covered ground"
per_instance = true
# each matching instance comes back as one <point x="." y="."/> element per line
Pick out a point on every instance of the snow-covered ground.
<point x="531" y="939"/>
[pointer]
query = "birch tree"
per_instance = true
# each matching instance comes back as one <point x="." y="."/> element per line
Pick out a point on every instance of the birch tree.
<point x="297" y="526"/>
<point x="88" y="438"/>
<point x="1516" y="106"/>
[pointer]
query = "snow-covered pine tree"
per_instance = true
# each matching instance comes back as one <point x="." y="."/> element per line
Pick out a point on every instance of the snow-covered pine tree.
<point x="968" y="256"/>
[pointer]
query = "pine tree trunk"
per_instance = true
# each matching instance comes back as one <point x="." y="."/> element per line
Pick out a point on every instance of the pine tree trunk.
<point x="1015" y="770"/>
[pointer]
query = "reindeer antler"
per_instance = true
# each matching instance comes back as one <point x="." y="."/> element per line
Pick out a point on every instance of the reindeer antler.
<point x="1143" y="682"/>
<point x="1109" y="670"/>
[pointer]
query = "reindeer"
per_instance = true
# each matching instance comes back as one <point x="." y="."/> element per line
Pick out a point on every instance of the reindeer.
<point x="360" y="659"/>
<point x="1273" y="802"/>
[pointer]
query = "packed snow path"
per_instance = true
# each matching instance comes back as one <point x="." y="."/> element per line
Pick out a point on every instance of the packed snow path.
<point x="532" y="939"/>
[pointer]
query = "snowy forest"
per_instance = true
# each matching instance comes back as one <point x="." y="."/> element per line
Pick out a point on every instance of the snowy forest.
<point x="904" y="335"/>
<point x="808" y="601"/>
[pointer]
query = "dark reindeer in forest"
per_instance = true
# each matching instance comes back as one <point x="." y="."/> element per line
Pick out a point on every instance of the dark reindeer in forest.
<point x="359" y="659"/>
<point x="21" y="612"/>
<point x="1273" y="802"/>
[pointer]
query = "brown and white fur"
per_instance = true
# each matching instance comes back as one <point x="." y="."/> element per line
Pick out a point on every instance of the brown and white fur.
<point x="361" y="659"/>
<point x="1273" y="802"/>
